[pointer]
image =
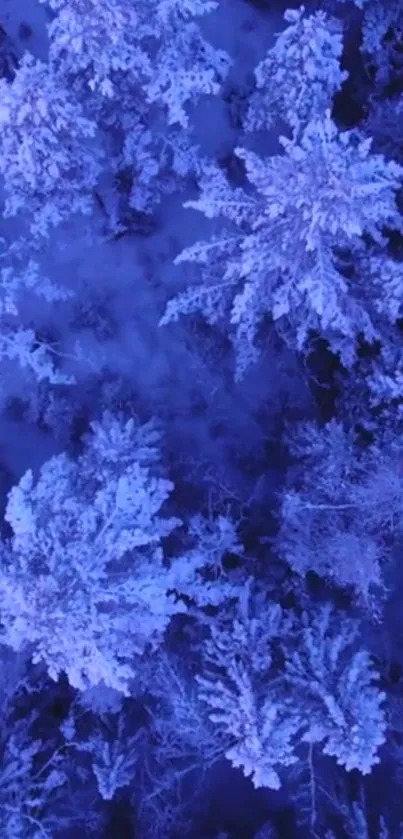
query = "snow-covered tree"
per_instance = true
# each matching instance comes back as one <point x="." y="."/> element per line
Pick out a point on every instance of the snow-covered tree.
<point x="157" y="44"/>
<point x="48" y="158"/>
<point x="138" y="68"/>
<point x="91" y="44"/>
<point x="279" y="252"/>
<point x="336" y="692"/>
<point x="186" y="65"/>
<point x="159" y="150"/>
<point x="239" y="689"/>
<point x="84" y="581"/>
<point x="300" y="74"/>
<point x="273" y="685"/>
<point x="341" y="510"/>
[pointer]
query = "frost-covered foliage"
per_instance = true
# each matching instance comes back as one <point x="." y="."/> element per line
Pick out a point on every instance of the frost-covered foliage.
<point x="384" y="124"/>
<point x="199" y="574"/>
<point x="359" y="3"/>
<point x="139" y="67"/>
<point x="200" y="68"/>
<point x="156" y="43"/>
<point x="385" y="383"/>
<point x="179" y="724"/>
<point x="29" y="279"/>
<point x="341" y="511"/>
<point x="372" y="398"/>
<point x="28" y="793"/>
<point x="17" y="282"/>
<point x="86" y="558"/>
<point x="32" y="773"/>
<point x="112" y="763"/>
<point x="334" y="684"/>
<point x="271" y="687"/>
<point x="384" y="278"/>
<point x="300" y="74"/>
<point x="111" y="749"/>
<point x="159" y="150"/>
<point x="21" y="346"/>
<point x="83" y="579"/>
<point x="180" y="745"/>
<point x="48" y="158"/>
<point x="91" y="43"/>
<point x="256" y="718"/>
<point x="278" y="255"/>
<point x="382" y="39"/>
<point x="154" y="159"/>
<point x="266" y="831"/>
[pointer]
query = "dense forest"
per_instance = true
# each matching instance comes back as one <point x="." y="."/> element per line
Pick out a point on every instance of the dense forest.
<point x="201" y="415"/>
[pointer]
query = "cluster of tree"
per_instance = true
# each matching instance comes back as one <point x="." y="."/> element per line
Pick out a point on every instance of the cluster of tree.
<point x="152" y="642"/>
